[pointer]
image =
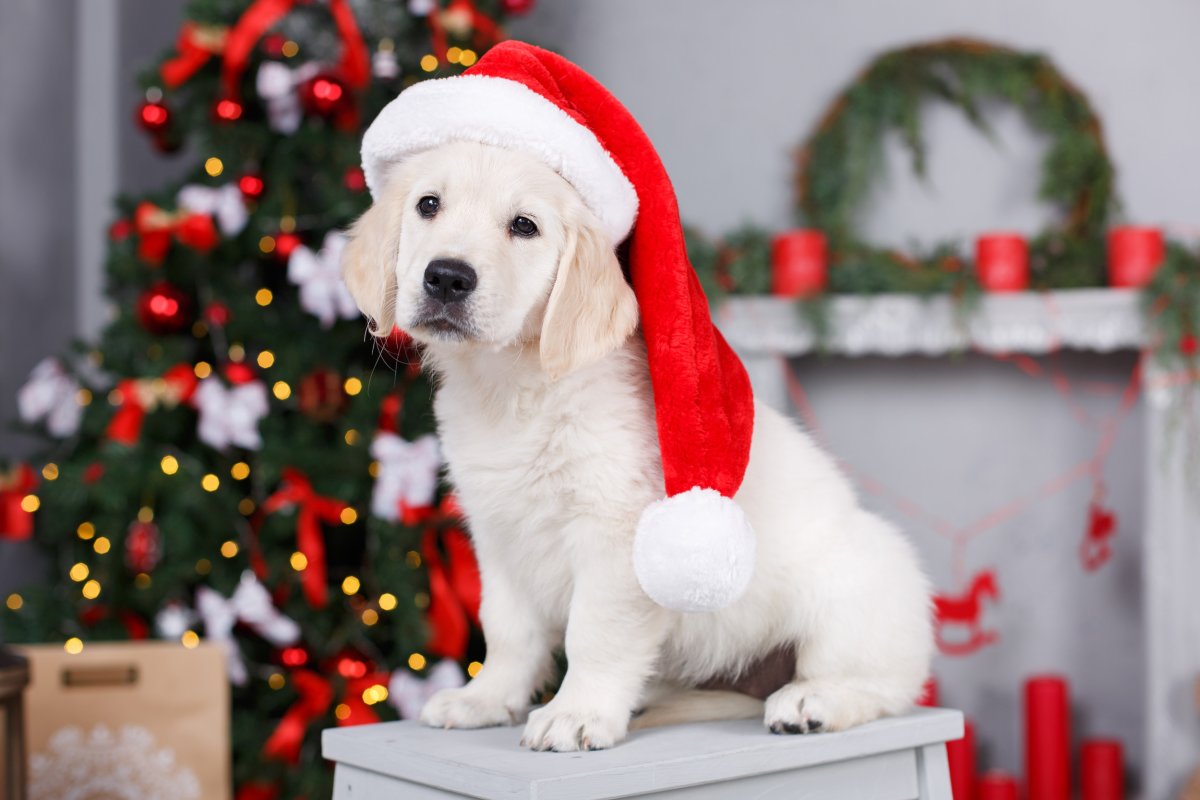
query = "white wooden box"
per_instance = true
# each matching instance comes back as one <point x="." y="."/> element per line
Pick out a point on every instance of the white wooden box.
<point x="901" y="758"/>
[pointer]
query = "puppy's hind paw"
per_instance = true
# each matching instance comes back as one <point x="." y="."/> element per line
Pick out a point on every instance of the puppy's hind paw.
<point x="819" y="707"/>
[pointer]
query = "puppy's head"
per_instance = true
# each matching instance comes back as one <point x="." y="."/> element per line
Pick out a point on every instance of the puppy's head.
<point x="470" y="245"/>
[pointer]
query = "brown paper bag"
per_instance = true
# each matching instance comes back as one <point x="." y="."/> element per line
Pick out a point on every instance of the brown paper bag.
<point x="144" y="720"/>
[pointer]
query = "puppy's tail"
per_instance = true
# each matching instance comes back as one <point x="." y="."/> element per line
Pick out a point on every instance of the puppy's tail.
<point x="697" y="705"/>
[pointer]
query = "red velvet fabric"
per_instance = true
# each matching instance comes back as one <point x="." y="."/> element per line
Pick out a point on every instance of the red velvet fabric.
<point x="702" y="396"/>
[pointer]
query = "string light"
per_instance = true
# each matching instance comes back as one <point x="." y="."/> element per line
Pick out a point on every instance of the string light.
<point x="169" y="464"/>
<point x="351" y="437"/>
<point x="375" y="694"/>
<point x="387" y="601"/>
<point x="91" y="589"/>
<point x="199" y="329"/>
<point x="79" y="572"/>
<point x="190" y="639"/>
<point x="114" y="398"/>
<point x="452" y="54"/>
<point x="236" y="352"/>
<point x="83" y="397"/>
<point x="370" y="617"/>
<point x="413" y="559"/>
<point x="281" y="390"/>
<point x="102" y="545"/>
<point x="429" y="62"/>
<point x="276" y="681"/>
<point x="351" y="585"/>
<point x="202" y="369"/>
<point x="352" y="386"/>
<point x="421" y="600"/>
<point x="210" y="482"/>
<point x="348" y="516"/>
<point x="299" y="561"/>
<point x="214" y="166"/>
<point x="373" y="469"/>
<point x="142" y="580"/>
<point x="14" y="602"/>
<point x="229" y="548"/>
<point x="30" y="503"/>
<point x="145" y="514"/>
<point x="267" y="245"/>
<point x="266" y="359"/>
<point x="246" y="506"/>
<point x="473" y="668"/>
<point x="203" y="566"/>
<point x="287" y="223"/>
<point x="468" y="58"/>
<point x="240" y="471"/>
<point x="85" y="531"/>
<point x="264" y="296"/>
<point x="73" y="646"/>
<point x="416" y="661"/>
<point x="289" y="49"/>
<point x="342" y="711"/>
<point x="50" y="471"/>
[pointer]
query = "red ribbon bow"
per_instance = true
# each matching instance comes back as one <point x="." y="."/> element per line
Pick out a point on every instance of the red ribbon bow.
<point x="454" y="591"/>
<point x="311" y="510"/>
<point x="156" y="227"/>
<point x="15" y="522"/>
<point x="196" y="45"/>
<point x="140" y="395"/>
<point x="316" y="694"/>
<point x="355" y="66"/>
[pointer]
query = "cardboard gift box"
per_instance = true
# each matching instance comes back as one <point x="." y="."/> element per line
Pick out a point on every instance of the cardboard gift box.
<point x="145" y="720"/>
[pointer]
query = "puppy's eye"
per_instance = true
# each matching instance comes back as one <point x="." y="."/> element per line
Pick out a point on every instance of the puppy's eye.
<point x="523" y="226"/>
<point x="428" y="206"/>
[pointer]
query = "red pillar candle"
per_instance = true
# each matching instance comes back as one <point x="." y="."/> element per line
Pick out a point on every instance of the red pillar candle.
<point x="929" y="694"/>
<point x="997" y="785"/>
<point x="1047" y="738"/>
<point x="960" y="753"/>
<point x="1002" y="262"/>
<point x="1102" y="770"/>
<point x="1134" y="255"/>
<point x="799" y="264"/>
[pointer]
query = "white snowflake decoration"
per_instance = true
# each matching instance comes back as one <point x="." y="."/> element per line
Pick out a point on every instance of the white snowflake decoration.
<point x="126" y="764"/>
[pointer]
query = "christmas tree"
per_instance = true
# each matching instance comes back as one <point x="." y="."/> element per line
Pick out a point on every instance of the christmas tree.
<point x="233" y="460"/>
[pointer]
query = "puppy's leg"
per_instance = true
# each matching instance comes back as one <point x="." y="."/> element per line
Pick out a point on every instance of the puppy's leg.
<point x="613" y="637"/>
<point x="518" y="661"/>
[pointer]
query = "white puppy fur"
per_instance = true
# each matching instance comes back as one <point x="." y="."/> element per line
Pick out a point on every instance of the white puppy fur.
<point x="545" y="413"/>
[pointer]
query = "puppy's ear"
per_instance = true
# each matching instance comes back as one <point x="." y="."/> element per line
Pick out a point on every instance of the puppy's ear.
<point x="592" y="310"/>
<point x="369" y="262"/>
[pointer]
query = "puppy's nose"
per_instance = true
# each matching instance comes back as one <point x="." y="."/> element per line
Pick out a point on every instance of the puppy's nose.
<point x="449" y="280"/>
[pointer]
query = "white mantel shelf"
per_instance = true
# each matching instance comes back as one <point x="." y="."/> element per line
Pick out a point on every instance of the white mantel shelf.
<point x="1100" y="320"/>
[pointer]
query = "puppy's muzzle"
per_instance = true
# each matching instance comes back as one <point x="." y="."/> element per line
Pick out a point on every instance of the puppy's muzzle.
<point x="449" y="280"/>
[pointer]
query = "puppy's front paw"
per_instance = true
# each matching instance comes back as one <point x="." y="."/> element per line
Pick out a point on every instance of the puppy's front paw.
<point x="819" y="707"/>
<point x="565" y="727"/>
<point x="465" y="708"/>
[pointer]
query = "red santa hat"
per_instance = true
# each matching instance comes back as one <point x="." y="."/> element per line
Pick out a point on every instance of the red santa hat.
<point x="694" y="549"/>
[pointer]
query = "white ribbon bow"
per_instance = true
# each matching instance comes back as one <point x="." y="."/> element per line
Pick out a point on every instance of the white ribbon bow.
<point x="51" y="394"/>
<point x="224" y="203"/>
<point x="409" y="694"/>
<point x="276" y="84"/>
<point x="230" y="415"/>
<point x="408" y="474"/>
<point x="250" y="604"/>
<point x="319" y="276"/>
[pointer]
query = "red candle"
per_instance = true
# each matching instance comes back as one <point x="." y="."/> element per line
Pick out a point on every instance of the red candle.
<point x="997" y="785"/>
<point x="929" y="694"/>
<point x="961" y="755"/>
<point x="1047" y="738"/>
<point x="798" y="263"/>
<point x="1002" y="262"/>
<point x="1102" y="770"/>
<point x="1134" y="255"/>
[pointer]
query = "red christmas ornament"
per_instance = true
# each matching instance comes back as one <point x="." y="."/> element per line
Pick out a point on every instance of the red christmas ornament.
<point x="293" y="657"/>
<point x="1188" y="344"/>
<point x="251" y="186"/>
<point x="355" y="179"/>
<point x="217" y="313"/>
<point x="518" y="6"/>
<point x="325" y="96"/>
<point x="320" y="395"/>
<point x="143" y="546"/>
<point x="1097" y="541"/>
<point x="349" y="666"/>
<point x="163" y="309"/>
<point x="93" y="473"/>
<point x="227" y="110"/>
<point x="965" y="612"/>
<point x="285" y="243"/>
<point x="120" y="230"/>
<point x="238" y="373"/>
<point x="153" y="117"/>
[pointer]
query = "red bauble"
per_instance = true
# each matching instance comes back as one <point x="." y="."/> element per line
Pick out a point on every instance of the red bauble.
<point x="119" y="231"/>
<point x="293" y="657"/>
<point x="285" y="243"/>
<point x="351" y="666"/>
<point x="143" y="546"/>
<point x="251" y="186"/>
<point x="227" y="110"/>
<point x="217" y="313"/>
<point x="1188" y="344"/>
<point x="517" y="6"/>
<point x="325" y="96"/>
<point x="272" y="44"/>
<point x="320" y="395"/>
<point x="154" y="118"/>
<point x="355" y="179"/>
<point x="164" y="308"/>
<point x="238" y="373"/>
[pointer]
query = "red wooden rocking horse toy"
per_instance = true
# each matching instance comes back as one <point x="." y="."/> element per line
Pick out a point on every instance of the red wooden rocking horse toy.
<point x="965" y="611"/>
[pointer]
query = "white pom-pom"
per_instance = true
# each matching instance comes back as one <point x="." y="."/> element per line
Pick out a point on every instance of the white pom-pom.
<point x="694" y="551"/>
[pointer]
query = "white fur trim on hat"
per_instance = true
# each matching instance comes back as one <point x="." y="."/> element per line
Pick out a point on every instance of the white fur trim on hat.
<point x="694" y="551"/>
<point x="504" y="113"/>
